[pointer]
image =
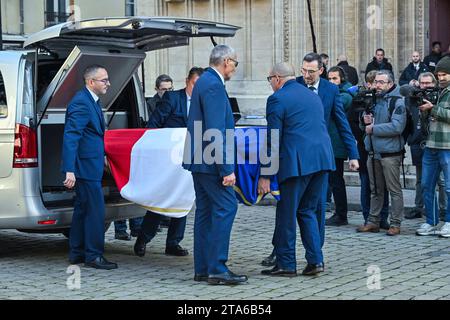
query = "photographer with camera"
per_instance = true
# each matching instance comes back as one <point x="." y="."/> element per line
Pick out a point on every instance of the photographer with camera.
<point x="364" y="100"/>
<point x="436" y="156"/>
<point x="427" y="87"/>
<point x="385" y="145"/>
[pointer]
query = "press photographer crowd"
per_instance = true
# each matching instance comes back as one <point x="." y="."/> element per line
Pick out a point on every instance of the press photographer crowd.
<point x="385" y="116"/>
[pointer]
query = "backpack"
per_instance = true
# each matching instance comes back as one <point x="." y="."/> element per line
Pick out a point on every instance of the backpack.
<point x="409" y="127"/>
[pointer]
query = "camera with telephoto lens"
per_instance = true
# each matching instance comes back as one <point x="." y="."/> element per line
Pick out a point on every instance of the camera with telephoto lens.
<point x="417" y="95"/>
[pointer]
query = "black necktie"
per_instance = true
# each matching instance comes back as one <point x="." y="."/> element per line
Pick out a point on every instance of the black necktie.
<point x="312" y="88"/>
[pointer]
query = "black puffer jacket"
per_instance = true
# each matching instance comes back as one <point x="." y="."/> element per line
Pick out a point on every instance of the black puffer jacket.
<point x="374" y="65"/>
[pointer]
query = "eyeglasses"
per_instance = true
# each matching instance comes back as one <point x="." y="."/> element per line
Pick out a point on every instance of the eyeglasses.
<point x="382" y="82"/>
<point x="275" y="76"/>
<point x="166" y="89"/>
<point x="309" y="71"/>
<point x="236" y="63"/>
<point x="105" y="81"/>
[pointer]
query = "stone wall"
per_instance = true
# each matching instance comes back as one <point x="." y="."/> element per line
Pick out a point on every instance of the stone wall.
<point x="276" y="30"/>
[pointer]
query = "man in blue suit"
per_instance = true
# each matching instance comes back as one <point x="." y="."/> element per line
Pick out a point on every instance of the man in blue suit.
<point x="209" y="155"/>
<point x="82" y="162"/>
<point x="171" y="112"/>
<point x="305" y="155"/>
<point x="312" y="68"/>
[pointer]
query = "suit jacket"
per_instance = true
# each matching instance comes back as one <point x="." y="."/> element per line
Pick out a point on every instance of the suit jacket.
<point x="410" y="73"/>
<point x="334" y="109"/>
<point x="83" y="147"/>
<point x="211" y="108"/>
<point x="304" y="144"/>
<point x="374" y="65"/>
<point x="171" y="111"/>
<point x="152" y="102"/>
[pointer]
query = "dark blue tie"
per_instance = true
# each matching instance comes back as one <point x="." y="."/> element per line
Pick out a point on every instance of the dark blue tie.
<point x="102" y="119"/>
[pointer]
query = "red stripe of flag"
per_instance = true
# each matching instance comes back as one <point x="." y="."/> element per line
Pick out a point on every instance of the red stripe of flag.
<point x="118" y="146"/>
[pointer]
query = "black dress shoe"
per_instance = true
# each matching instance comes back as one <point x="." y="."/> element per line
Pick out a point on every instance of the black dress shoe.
<point x="336" y="221"/>
<point x="270" y="261"/>
<point x="101" y="263"/>
<point x="176" y="251"/>
<point x="276" y="271"/>
<point x="384" y="225"/>
<point x="313" y="269"/>
<point x="413" y="214"/>
<point x="122" y="235"/>
<point x="227" y="278"/>
<point x="135" y="233"/>
<point x="201" y="277"/>
<point x="139" y="247"/>
<point x="77" y="260"/>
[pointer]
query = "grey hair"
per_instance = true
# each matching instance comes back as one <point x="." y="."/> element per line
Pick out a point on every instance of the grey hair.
<point x="284" y="69"/>
<point x="220" y="53"/>
<point x="342" y="57"/>
<point x="91" y="71"/>
<point x="387" y="73"/>
<point x="428" y="74"/>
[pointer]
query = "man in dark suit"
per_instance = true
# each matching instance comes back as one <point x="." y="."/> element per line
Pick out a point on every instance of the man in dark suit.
<point x="171" y="112"/>
<point x="163" y="84"/>
<point x="412" y="72"/>
<point x="312" y="67"/>
<point x="333" y="108"/>
<point x="305" y="155"/>
<point x="212" y="167"/>
<point x="83" y="162"/>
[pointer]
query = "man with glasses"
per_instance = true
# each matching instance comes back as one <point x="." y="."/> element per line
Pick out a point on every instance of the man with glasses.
<point x="384" y="141"/>
<point x="83" y="160"/>
<point x="213" y="174"/>
<point x="297" y="114"/>
<point x="437" y="153"/>
<point x="312" y="68"/>
<point x="416" y="140"/>
<point x="163" y="84"/>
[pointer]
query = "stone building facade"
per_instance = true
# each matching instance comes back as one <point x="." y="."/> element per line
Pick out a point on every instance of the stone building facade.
<point x="279" y="30"/>
<point x="271" y="31"/>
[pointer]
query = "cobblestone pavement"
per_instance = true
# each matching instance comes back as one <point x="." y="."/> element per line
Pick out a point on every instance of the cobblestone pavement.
<point x="34" y="266"/>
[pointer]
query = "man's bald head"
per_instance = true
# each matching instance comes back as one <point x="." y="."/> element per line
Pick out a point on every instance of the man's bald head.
<point x="416" y="57"/>
<point x="342" y="58"/>
<point x="283" y="69"/>
<point x="280" y="74"/>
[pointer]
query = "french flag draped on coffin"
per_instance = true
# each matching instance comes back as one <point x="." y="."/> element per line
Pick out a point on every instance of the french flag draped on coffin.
<point x="146" y="166"/>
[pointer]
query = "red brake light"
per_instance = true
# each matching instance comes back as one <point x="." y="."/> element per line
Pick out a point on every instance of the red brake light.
<point x="47" y="222"/>
<point x="25" y="147"/>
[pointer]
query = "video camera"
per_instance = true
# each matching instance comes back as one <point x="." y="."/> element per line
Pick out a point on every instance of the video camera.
<point x="418" y="96"/>
<point x="364" y="99"/>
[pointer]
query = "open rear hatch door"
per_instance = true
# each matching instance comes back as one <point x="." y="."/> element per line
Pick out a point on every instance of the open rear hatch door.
<point x="69" y="79"/>
<point x="142" y="33"/>
<point x="119" y="44"/>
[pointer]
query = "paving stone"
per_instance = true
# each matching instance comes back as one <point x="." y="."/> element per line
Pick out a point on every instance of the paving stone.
<point x="411" y="267"/>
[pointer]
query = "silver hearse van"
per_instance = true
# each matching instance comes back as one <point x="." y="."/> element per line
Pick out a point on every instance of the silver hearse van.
<point x="37" y="83"/>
